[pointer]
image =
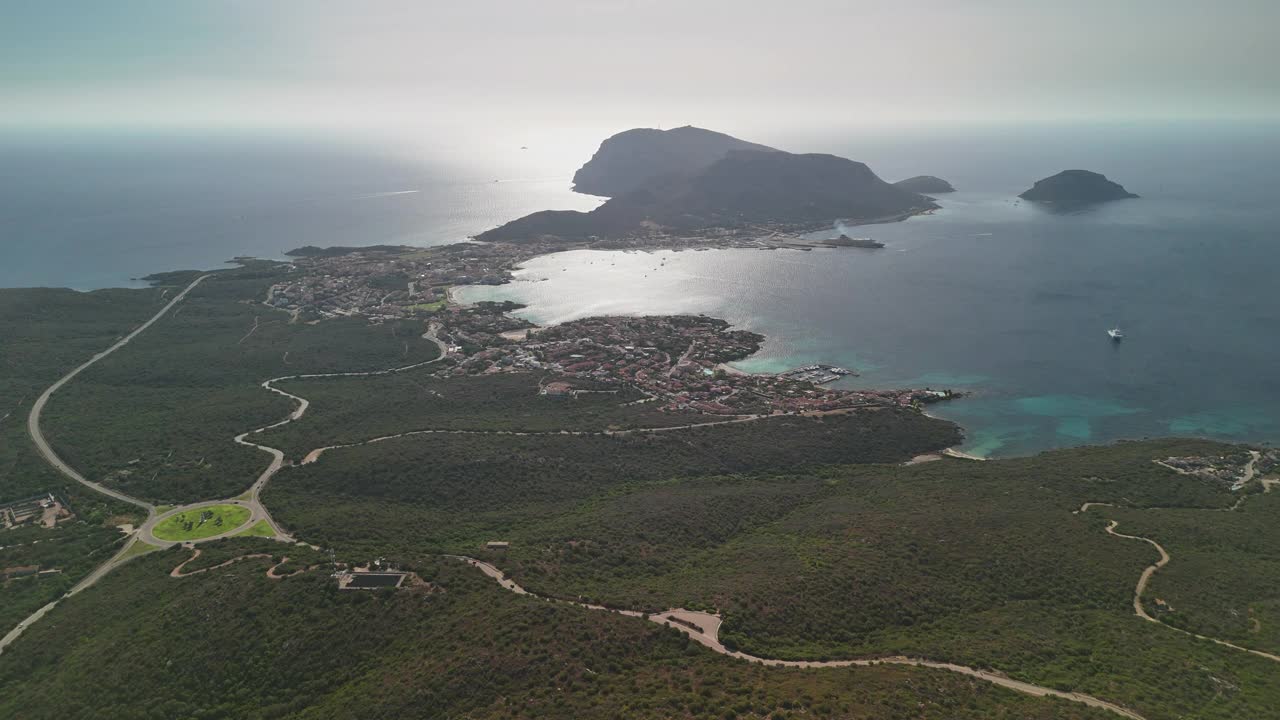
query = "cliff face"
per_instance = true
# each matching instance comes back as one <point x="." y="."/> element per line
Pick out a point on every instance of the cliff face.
<point x="743" y="187"/>
<point x="630" y="159"/>
<point x="926" y="185"/>
<point x="1071" y="188"/>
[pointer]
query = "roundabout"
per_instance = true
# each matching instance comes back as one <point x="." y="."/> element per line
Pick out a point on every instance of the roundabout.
<point x="201" y="522"/>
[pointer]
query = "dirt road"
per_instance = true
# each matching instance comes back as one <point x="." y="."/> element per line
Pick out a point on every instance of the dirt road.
<point x="704" y="628"/>
<point x="1145" y="578"/>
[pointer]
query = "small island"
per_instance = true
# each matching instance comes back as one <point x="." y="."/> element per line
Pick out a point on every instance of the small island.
<point x="1075" y="188"/>
<point x="925" y="185"/>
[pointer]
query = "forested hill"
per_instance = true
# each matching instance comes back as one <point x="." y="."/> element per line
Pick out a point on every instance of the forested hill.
<point x="1071" y="188"/>
<point x="632" y="158"/>
<point x="742" y="188"/>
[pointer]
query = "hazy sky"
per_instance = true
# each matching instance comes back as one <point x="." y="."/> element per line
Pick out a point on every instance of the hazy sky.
<point x="653" y="62"/>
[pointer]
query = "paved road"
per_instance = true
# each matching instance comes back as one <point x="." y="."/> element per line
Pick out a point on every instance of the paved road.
<point x="702" y="627"/>
<point x="33" y="418"/>
<point x="256" y="512"/>
<point x="51" y="457"/>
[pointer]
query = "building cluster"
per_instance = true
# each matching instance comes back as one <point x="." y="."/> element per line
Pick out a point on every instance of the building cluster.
<point x="22" y="571"/>
<point x="45" y="509"/>
<point x="472" y="328"/>
<point x="677" y="360"/>
<point x="1269" y="463"/>
<point x="761" y="236"/>
<point x="391" y="282"/>
<point x="387" y="283"/>
<point x="819" y="374"/>
<point x="375" y="575"/>
<point x="1230" y="470"/>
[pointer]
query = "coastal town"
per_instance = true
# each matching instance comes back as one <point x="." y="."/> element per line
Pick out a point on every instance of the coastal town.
<point x="386" y="282"/>
<point x="680" y="362"/>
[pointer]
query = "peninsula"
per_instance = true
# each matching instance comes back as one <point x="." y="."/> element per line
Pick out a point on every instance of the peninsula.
<point x="925" y="185"/>
<point x="1074" y="188"/>
<point x="746" y="192"/>
<point x="594" y="502"/>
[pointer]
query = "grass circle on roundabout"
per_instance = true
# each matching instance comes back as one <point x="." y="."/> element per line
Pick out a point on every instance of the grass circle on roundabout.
<point x="201" y="522"/>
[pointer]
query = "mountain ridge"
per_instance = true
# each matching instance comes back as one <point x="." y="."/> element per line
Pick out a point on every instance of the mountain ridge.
<point x="745" y="187"/>
<point x="628" y="160"/>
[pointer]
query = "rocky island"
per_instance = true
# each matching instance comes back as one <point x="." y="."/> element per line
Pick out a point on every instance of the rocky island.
<point x="761" y="192"/>
<point x="1074" y="188"/>
<point x="630" y="159"/>
<point x="925" y="185"/>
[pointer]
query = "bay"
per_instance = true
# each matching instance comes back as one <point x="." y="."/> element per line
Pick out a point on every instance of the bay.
<point x="989" y="295"/>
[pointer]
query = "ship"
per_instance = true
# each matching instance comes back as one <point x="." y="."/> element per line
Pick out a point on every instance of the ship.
<point x="1115" y="334"/>
<point x="846" y="241"/>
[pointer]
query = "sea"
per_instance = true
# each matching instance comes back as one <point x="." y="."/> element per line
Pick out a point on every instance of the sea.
<point x="991" y="295"/>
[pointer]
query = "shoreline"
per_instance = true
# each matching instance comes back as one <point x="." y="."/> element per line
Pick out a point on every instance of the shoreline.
<point x="454" y="297"/>
<point x="451" y="296"/>
<point x="961" y="455"/>
<point x="764" y="236"/>
<point x="731" y="370"/>
<point x="954" y="451"/>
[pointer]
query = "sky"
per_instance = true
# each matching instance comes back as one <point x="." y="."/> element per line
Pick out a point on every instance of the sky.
<point x="388" y="63"/>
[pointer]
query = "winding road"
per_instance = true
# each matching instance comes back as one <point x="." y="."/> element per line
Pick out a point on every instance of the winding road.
<point x="704" y="628"/>
<point x="51" y="457"/>
<point x="33" y="418"/>
<point x="314" y="455"/>
<point x="145" y="533"/>
<point x="1145" y="578"/>
<point x="252" y="498"/>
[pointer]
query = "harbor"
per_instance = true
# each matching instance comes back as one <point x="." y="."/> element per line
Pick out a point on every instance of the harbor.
<point x="817" y="374"/>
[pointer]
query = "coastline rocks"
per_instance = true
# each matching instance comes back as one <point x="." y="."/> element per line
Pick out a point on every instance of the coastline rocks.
<point x="632" y="158"/>
<point x="1073" y="188"/>
<point x="925" y="185"/>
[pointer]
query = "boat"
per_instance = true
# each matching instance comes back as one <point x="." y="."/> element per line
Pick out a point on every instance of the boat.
<point x="1115" y="334"/>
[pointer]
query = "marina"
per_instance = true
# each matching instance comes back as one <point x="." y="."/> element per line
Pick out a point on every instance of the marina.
<point x="817" y="374"/>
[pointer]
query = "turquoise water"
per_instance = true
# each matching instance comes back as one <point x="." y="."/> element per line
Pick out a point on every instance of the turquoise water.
<point x="989" y="295"/>
<point x="1009" y="302"/>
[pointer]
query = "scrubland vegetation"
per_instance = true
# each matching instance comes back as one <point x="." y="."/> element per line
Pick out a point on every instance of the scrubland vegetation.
<point x="156" y="419"/>
<point x="234" y="643"/>
<point x="806" y="534"/>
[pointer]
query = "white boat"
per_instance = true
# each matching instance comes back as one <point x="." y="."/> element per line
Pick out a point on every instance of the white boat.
<point x="1115" y="334"/>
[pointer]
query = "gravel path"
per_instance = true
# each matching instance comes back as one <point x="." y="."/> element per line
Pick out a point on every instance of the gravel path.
<point x="704" y="628"/>
<point x="1145" y="578"/>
